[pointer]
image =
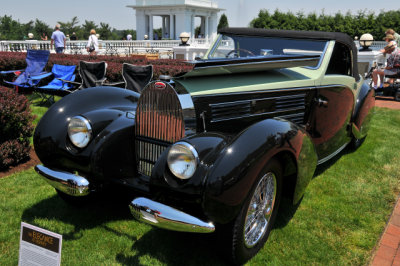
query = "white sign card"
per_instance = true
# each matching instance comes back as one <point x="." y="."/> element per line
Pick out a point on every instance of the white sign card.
<point x="39" y="246"/>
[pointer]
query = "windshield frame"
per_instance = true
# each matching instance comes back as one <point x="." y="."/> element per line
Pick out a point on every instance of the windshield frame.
<point x="217" y="43"/>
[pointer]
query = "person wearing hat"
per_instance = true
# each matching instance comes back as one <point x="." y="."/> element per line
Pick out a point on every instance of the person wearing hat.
<point x="389" y="38"/>
<point x="394" y="34"/>
<point x="392" y="65"/>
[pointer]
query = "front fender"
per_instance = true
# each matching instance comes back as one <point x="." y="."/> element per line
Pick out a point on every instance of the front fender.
<point x="100" y="105"/>
<point x="238" y="165"/>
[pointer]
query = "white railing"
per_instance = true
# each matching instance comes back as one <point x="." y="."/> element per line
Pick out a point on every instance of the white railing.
<point x="105" y="47"/>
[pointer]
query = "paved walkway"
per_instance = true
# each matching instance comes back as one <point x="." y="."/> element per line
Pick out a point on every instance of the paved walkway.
<point x="388" y="250"/>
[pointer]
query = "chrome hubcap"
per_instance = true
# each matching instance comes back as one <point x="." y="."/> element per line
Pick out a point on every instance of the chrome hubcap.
<point x="260" y="210"/>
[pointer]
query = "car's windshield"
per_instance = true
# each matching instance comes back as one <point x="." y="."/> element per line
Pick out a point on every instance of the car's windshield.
<point x="254" y="46"/>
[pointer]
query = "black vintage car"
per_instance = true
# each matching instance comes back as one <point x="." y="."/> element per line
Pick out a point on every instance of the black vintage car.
<point x="215" y="147"/>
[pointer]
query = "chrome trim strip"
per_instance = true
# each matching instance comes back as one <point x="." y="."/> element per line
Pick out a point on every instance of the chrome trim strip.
<point x="327" y="158"/>
<point x="300" y="60"/>
<point x="166" y="217"/>
<point x="68" y="183"/>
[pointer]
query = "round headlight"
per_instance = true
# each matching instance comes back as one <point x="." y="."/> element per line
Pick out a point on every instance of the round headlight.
<point x="182" y="160"/>
<point x="79" y="131"/>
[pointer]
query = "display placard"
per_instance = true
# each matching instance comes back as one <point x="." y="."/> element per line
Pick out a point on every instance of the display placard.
<point x="39" y="246"/>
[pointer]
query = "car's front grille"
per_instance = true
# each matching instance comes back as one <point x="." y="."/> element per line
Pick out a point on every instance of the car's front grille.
<point x="159" y="123"/>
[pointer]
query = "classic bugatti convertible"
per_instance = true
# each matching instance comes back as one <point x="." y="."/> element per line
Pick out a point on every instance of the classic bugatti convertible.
<point x="217" y="146"/>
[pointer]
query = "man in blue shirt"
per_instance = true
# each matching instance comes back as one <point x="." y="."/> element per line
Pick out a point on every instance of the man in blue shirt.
<point x="59" y="40"/>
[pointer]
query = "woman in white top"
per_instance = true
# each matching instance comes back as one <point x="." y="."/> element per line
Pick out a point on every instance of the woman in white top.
<point x="93" y="43"/>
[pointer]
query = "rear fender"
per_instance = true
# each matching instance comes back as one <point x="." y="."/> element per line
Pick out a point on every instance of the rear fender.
<point x="238" y="165"/>
<point x="363" y="112"/>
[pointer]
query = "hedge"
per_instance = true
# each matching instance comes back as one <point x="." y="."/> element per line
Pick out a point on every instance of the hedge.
<point x="172" y="67"/>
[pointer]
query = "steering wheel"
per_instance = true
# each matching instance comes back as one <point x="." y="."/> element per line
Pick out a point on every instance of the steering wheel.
<point x="235" y="52"/>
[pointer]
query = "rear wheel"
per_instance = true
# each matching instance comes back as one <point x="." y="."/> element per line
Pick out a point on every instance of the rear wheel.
<point x="397" y="95"/>
<point x="255" y="220"/>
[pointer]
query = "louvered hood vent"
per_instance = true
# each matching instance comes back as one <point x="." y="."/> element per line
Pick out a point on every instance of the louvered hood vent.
<point x="290" y="107"/>
<point x="159" y="123"/>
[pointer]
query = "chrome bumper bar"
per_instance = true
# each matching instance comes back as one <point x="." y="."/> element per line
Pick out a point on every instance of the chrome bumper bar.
<point x="68" y="183"/>
<point x="166" y="217"/>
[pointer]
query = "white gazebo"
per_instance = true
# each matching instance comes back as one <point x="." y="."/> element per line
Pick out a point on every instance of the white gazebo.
<point x="177" y="16"/>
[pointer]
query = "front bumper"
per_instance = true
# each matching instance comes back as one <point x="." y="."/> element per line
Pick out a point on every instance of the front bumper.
<point x="68" y="183"/>
<point x="166" y="217"/>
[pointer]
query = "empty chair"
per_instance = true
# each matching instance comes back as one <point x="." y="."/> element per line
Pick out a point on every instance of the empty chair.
<point x="136" y="77"/>
<point x="36" y="60"/>
<point x="61" y="85"/>
<point x="92" y="73"/>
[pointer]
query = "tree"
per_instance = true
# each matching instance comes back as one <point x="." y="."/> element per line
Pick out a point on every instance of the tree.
<point x="105" y="31"/>
<point x="40" y="28"/>
<point x="70" y="26"/>
<point x="223" y="22"/>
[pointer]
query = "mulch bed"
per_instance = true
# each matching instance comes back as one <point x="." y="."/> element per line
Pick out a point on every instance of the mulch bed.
<point x="387" y="102"/>
<point x="33" y="160"/>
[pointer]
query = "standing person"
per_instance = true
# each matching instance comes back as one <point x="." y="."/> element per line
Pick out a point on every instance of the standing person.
<point x="44" y="37"/>
<point x="93" y="43"/>
<point x="129" y="37"/>
<point x="59" y="40"/>
<point x="73" y="37"/>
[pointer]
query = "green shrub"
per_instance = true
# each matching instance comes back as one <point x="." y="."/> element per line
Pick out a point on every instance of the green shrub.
<point x="15" y="128"/>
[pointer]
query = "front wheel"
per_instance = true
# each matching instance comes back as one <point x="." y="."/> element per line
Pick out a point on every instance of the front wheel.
<point x="255" y="220"/>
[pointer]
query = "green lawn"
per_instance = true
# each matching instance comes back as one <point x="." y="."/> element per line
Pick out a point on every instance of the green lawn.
<point x="338" y="222"/>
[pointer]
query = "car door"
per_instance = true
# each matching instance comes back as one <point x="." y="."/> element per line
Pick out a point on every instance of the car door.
<point x="332" y="105"/>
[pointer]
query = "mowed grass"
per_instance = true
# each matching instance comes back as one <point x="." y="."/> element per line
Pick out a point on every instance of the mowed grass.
<point x="338" y="222"/>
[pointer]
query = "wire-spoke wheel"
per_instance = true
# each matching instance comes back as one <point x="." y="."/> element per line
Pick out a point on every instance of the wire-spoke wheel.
<point x="260" y="210"/>
<point x="255" y="220"/>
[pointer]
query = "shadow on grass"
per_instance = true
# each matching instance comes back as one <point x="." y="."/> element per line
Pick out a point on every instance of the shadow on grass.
<point x="176" y="248"/>
<point x="167" y="247"/>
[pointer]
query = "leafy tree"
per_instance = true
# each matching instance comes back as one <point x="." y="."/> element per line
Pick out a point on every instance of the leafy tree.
<point x="70" y="26"/>
<point x="40" y="28"/>
<point x="105" y="31"/>
<point x="86" y="28"/>
<point x="223" y="22"/>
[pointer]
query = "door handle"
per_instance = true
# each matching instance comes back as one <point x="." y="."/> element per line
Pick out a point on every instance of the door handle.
<point x="321" y="102"/>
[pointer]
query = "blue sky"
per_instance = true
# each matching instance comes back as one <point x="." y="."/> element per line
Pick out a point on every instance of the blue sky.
<point x="117" y="15"/>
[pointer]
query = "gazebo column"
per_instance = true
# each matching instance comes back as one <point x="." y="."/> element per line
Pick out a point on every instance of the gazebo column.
<point x="192" y="17"/>
<point x="151" y="37"/>
<point x="207" y="28"/>
<point x="171" y="27"/>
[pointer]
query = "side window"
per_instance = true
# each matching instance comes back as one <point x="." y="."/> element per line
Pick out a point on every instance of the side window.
<point x="340" y="62"/>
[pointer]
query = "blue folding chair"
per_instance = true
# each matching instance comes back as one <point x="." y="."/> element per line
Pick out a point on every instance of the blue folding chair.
<point x="61" y="85"/>
<point x="36" y="60"/>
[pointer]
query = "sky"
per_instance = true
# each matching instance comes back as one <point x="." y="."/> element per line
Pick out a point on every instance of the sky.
<point x="117" y="15"/>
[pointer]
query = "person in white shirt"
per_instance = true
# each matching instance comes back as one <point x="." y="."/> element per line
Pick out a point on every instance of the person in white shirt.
<point x="93" y="43"/>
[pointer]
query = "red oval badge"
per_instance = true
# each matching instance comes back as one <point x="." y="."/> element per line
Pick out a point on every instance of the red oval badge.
<point x="160" y="85"/>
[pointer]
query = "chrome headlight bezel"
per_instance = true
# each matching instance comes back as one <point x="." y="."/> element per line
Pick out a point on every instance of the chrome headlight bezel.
<point x="79" y="131"/>
<point x="174" y="160"/>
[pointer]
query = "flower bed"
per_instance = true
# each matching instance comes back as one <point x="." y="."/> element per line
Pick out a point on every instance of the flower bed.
<point x="172" y="67"/>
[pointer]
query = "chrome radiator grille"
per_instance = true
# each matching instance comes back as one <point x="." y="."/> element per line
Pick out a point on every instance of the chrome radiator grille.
<point x="159" y="123"/>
